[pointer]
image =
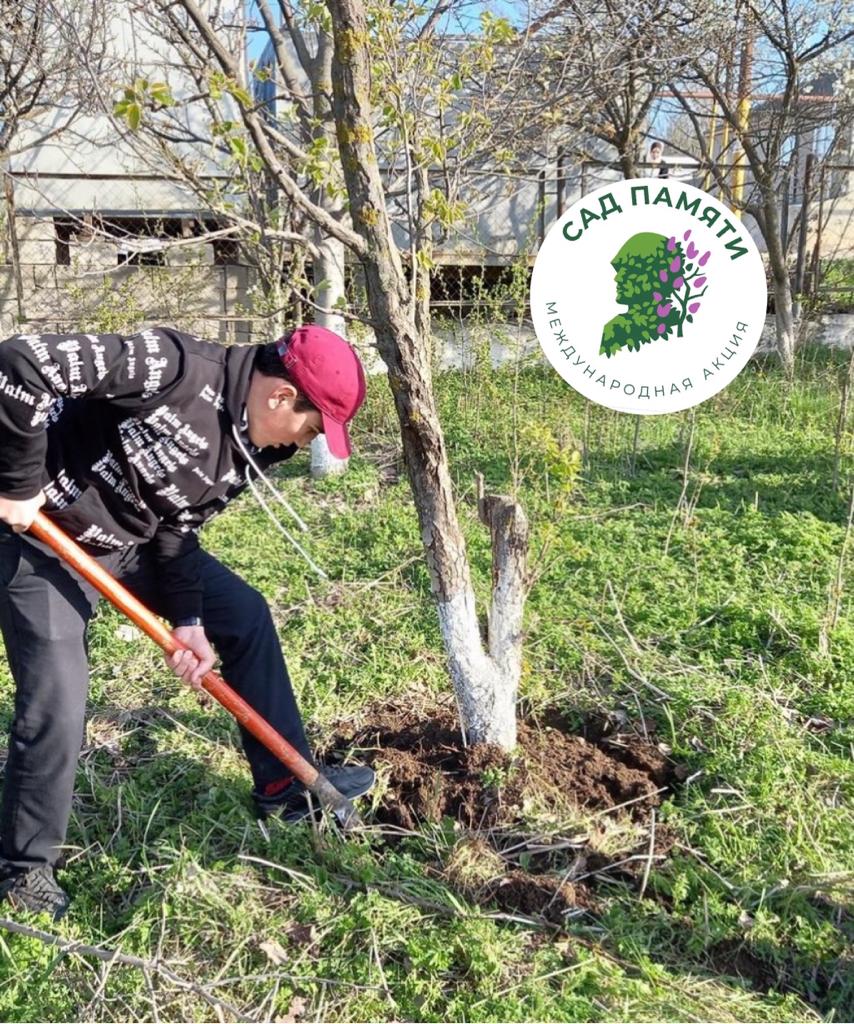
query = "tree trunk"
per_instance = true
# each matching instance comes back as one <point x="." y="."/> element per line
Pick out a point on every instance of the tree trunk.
<point x="421" y="275"/>
<point x="329" y="265"/>
<point x="485" y="682"/>
<point x="12" y="229"/>
<point x="628" y="167"/>
<point x="328" y="289"/>
<point x="782" y="285"/>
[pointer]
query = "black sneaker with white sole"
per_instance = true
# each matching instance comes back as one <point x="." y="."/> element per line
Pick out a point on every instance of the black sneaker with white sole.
<point x="287" y="797"/>
<point x="34" y="889"/>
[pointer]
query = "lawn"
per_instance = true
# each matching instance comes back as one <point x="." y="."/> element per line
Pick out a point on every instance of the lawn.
<point x="691" y="581"/>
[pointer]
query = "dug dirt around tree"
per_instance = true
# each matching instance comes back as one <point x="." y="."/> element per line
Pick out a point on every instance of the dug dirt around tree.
<point x="537" y="828"/>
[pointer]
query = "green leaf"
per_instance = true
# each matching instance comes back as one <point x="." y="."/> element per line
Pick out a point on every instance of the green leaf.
<point x="134" y="115"/>
<point x="160" y="93"/>
<point x="436" y="146"/>
<point x="238" y="147"/>
<point x="223" y="128"/>
<point x="240" y="94"/>
<point x="423" y="260"/>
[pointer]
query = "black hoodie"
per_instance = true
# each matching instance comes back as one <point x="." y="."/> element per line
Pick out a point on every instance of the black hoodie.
<point x="131" y="439"/>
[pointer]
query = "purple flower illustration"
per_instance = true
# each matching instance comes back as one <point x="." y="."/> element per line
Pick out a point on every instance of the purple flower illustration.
<point x="678" y="301"/>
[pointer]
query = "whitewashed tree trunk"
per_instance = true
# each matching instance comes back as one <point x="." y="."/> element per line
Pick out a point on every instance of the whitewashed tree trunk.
<point x="329" y="263"/>
<point x="487" y="683"/>
<point x="277" y="320"/>
<point x="784" y="314"/>
<point x="329" y="288"/>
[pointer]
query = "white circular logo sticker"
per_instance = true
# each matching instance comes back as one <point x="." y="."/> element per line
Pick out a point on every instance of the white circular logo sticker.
<point x="648" y="296"/>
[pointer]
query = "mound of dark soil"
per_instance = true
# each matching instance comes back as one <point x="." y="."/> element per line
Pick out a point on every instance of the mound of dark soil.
<point x="429" y="774"/>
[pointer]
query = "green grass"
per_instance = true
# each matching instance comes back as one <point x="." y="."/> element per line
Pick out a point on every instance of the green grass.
<point x="722" y="608"/>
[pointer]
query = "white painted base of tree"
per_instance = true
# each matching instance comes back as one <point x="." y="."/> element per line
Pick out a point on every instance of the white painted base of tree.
<point x="328" y="269"/>
<point x="323" y="462"/>
<point x="786" y="327"/>
<point x="486" y="694"/>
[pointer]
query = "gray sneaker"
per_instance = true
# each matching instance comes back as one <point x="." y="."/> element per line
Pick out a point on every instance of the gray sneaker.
<point x="33" y="889"/>
<point x="287" y="798"/>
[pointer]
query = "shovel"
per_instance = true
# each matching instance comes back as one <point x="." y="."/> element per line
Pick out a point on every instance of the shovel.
<point x="214" y="684"/>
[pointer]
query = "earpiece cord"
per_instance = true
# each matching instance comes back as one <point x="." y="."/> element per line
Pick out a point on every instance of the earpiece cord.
<point x="273" y="519"/>
<point x="259" y="498"/>
<point x="281" y="500"/>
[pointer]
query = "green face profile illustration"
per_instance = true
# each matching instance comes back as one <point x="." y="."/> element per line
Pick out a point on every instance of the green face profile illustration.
<point x="657" y="278"/>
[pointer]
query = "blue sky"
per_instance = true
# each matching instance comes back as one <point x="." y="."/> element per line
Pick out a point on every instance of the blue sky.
<point x="465" y="18"/>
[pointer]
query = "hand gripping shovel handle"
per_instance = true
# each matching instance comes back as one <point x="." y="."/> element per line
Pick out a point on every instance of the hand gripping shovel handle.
<point x="215" y="685"/>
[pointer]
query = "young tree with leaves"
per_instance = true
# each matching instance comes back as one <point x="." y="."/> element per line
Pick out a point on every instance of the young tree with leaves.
<point x="442" y="103"/>
<point x="485" y="676"/>
<point x="784" y="46"/>
<point x="617" y="57"/>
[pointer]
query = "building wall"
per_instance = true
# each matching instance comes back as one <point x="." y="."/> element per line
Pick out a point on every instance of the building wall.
<point x="189" y="292"/>
<point x="95" y="165"/>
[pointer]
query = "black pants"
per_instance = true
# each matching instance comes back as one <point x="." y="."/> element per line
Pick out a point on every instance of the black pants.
<point x="44" y="610"/>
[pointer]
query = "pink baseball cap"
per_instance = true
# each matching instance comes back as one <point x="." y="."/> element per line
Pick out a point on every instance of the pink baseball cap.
<point x="328" y="372"/>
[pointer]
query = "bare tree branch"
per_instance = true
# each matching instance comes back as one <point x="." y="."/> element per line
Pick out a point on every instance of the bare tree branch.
<point x="259" y="133"/>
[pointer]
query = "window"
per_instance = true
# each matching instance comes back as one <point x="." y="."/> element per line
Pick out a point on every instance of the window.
<point x="226" y="251"/>
<point x="138" y="241"/>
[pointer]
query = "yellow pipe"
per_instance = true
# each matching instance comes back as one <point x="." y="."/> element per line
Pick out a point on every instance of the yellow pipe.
<point x="724" y="148"/>
<point x="723" y="155"/>
<point x="742" y="115"/>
